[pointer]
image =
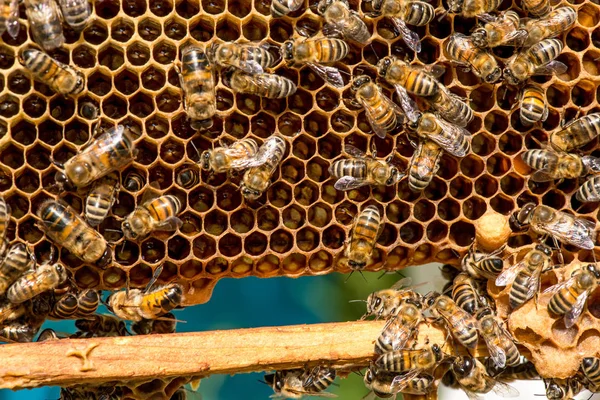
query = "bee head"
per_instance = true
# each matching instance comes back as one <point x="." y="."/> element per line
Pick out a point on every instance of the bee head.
<point x="394" y="176"/>
<point x="61" y="179"/>
<point x="250" y="194"/>
<point x="544" y="249"/>
<point x="437" y="352"/>
<point x="510" y="77"/>
<point x="369" y="377"/>
<point x="106" y="258"/>
<point x="554" y="391"/>
<point x="205" y="160"/>
<point x="494" y="76"/>
<point x="323" y="6"/>
<point x="430" y="298"/>
<point x="455" y="6"/>
<point x="479" y="37"/>
<point x="359" y="82"/>
<point x="79" y="84"/>
<point x="130" y="229"/>
<point x="521" y="218"/>
<point x="288" y="51"/>
<point x="383" y="66"/>
<point x="591" y="268"/>
<point x="357" y="265"/>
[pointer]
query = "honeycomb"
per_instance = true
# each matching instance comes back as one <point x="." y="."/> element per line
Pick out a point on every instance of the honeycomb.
<point x="298" y="227"/>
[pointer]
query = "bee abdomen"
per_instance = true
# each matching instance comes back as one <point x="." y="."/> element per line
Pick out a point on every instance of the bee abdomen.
<point x="419" y="13"/>
<point x="536" y="158"/>
<point x="88" y="301"/>
<point x="96" y="208"/>
<point x="65" y="307"/>
<point x="545" y="51"/>
<point x="75" y="13"/>
<point x="561" y="302"/>
<point x="591" y="369"/>
<point x="4" y="217"/>
<point x="537" y="7"/>
<point x="533" y="105"/>
<point x="278" y="87"/>
<point x="590" y="190"/>
<point x="354" y="168"/>
<point x="164" y="207"/>
<point x="331" y="50"/>
<point x="517" y="295"/>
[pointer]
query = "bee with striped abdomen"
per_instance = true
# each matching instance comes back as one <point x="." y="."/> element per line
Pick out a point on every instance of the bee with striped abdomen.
<point x="154" y="213"/>
<point x="246" y="57"/>
<point x="136" y="305"/>
<point x="65" y="307"/>
<point x="536" y="60"/>
<point x="463" y="50"/>
<point x="266" y="85"/>
<point x="100" y="326"/>
<point x="550" y="165"/>
<point x="47" y="276"/>
<point x="18" y="331"/>
<point x="525" y="275"/>
<point x="401" y="328"/>
<point x="410" y="362"/>
<point x="166" y="324"/>
<point x="424" y="164"/>
<point x="460" y="323"/>
<point x="385" y="384"/>
<point x="559" y="225"/>
<point x="503" y="350"/>
<point x="402" y="12"/>
<point x="533" y="107"/>
<point x="382" y="113"/>
<point x="361" y="242"/>
<point x="100" y="200"/>
<point x="340" y="18"/>
<point x="110" y="151"/>
<point x="297" y="383"/>
<point x="465" y="293"/>
<point x="76" y="13"/>
<point x="472" y="8"/>
<point x="60" y="77"/>
<point x="499" y="30"/>
<point x="473" y="378"/>
<point x="563" y="389"/>
<point x="18" y="260"/>
<point x="281" y="8"/>
<point x="66" y="228"/>
<point x="589" y="191"/>
<point x="553" y="24"/>
<point x="384" y="303"/>
<point x="88" y="301"/>
<point x="577" y="133"/>
<point x="45" y="23"/>
<point x="10" y="311"/>
<point x="590" y="366"/>
<point x="363" y="170"/>
<point x="314" y="53"/>
<point x="524" y="371"/>
<point x="187" y="177"/>
<point x="5" y="212"/>
<point x="451" y="138"/>
<point x="9" y="17"/>
<point x="256" y="180"/>
<point x="238" y="155"/>
<point x="537" y="8"/>
<point x="197" y="82"/>
<point x="133" y="181"/>
<point x="570" y="297"/>
<point x="482" y="265"/>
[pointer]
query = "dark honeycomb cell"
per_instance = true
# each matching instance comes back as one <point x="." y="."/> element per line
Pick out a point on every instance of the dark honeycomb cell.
<point x="23" y="132"/>
<point x="18" y="82"/>
<point x="28" y="181"/>
<point x="255" y="244"/>
<point x="573" y="66"/>
<point x="436" y="231"/>
<point x="307" y="239"/>
<point x="262" y="125"/>
<point x="141" y="105"/>
<point x="495" y="122"/>
<point x="430" y="51"/>
<point x="483" y="144"/>
<point x="424" y="210"/>
<point x="127" y="82"/>
<point x="554" y="199"/>
<point x="28" y="231"/>
<point x="107" y="9"/>
<point x="388" y="236"/>
<point x="161" y="175"/>
<point x="498" y="164"/>
<point x="590" y="63"/>
<point x="281" y="241"/>
<point x="227" y="29"/>
<point x="510" y="143"/>
<point x="316" y="124"/>
<point x="502" y="204"/>
<point x="161" y="8"/>
<point x="202" y="29"/>
<point x="512" y="184"/>
<point x="319" y="215"/>
<point x="255" y="29"/>
<point x="342" y="121"/>
<point x="62" y="109"/>
<point x="582" y="93"/>
<point x="292" y="171"/>
<point x="267" y="218"/>
<point x="114" y="106"/>
<point x="12" y="157"/>
<point x="9" y="106"/>
<point x="87" y="278"/>
<point x="474" y="207"/>
<point x="471" y="166"/>
<point x="411" y="232"/>
<point x="507" y="97"/>
<point x="135" y="8"/>
<point x="152" y="250"/>
<point x="448" y="210"/>
<point x="19" y="205"/>
<point x="237" y="125"/>
<point x="303" y="147"/>
<point x="578" y="39"/>
<point x="557" y="95"/>
<point x="99" y="83"/>
<point x="327" y="99"/>
<point x="482" y="98"/>
<point x="111" y="57"/>
<point x="462" y="233"/>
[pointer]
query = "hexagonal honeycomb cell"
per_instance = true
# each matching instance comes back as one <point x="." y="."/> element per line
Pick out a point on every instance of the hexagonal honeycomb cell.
<point x="299" y="227"/>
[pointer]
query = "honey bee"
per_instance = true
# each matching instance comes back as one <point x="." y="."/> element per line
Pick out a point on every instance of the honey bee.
<point x="64" y="226"/>
<point x="266" y="85"/>
<point x="501" y="347"/>
<point x="559" y="20"/>
<point x="88" y="301"/>
<point x="17" y="331"/>
<point x="100" y="200"/>
<point x="537" y="8"/>
<point x="247" y="57"/>
<point x="47" y="276"/>
<point x="382" y="113"/>
<point x="589" y="191"/>
<point x="89" y="110"/>
<point x="281" y="8"/>
<point x="18" y="260"/>
<point x="482" y="265"/>
<point x="533" y="106"/>
<point x="188" y="178"/>
<point x="525" y="275"/>
<point x="577" y="133"/>
<point x="65" y="307"/>
<point x="340" y="18"/>
<point x="559" y="225"/>
<point x="239" y="155"/>
<point x="9" y="17"/>
<point x="145" y="304"/>
<point x="10" y="311"/>
<point x="296" y="383"/>
<point x="563" y="389"/>
<point x="424" y="164"/>
<point x="4" y="221"/>
<point x="463" y="50"/>
<point x="465" y="293"/>
<point x="384" y="303"/>
<point x="133" y="182"/>
<point x="314" y="53"/>
<point x="198" y="85"/>
<point x="410" y="362"/>
<point x="363" y="170"/>
<point x="472" y="377"/>
<point x="385" y="384"/>
<point x="551" y="165"/>
<point x="61" y="78"/>
<point x="48" y="334"/>
<point x="154" y="213"/>
<point x="256" y="180"/>
<point x="400" y="329"/>
<point x="100" y="326"/>
<point x="459" y="322"/>
<point x="569" y="298"/>
<point x="452" y="138"/>
<point x="167" y="324"/>
<point x="536" y="60"/>
<point x="76" y="13"/>
<point x="524" y="371"/>
<point x="45" y="23"/>
<point x="591" y="369"/>
<point x="361" y="243"/>
<point x="472" y="8"/>
<point x="111" y="151"/>
<point x="499" y="31"/>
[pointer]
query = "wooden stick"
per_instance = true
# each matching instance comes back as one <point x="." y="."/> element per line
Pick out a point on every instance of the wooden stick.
<point x="94" y="361"/>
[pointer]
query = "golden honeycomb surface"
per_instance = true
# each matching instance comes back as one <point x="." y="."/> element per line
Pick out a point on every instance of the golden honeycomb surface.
<point x="128" y="52"/>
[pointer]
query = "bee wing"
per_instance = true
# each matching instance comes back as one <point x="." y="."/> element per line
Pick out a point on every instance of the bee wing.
<point x="348" y="183"/>
<point x="150" y="193"/>
<point x="329" y="74"/>
<point x="579" y="233"/>
<point x="533" y="283"/>
<point x="553" y="67"/>
<point x="399" y="382"/>
<point x="592" y="163"/>
<point x="486" y="17"/>
<point x="450" y="144"/>
<point x="409" y="106"/>
<point x="504" y="390"/>
<point x="354" y="152"/>
<point x="248" y="162"/>
<point x="509" y="274"/>
<point x="574" y="313"/>
<point x="251" y="67"/>
<point x="516" y="38"/>
<point x="410" y="38"/>
<point x="12" y="21"/>
<point x="169" y="224"/>
<point x="402" y="283"/>
<point x="497" y="353"/>
<point x="369" y="112"/>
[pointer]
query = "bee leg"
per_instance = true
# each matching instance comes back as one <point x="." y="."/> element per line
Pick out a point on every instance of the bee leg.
<point x="560" y="254"/>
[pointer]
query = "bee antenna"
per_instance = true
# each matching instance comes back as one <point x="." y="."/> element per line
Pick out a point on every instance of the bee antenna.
<point x="374" y="52"/>
<point x="356" y="301"/>
<point x="363" y="276"/>
<point x="349" y="276"/>
<point x="358" y="373"/>
<point x="443" y="16"/>
<point x="155" y="276"/>
<point x="261" y="381"/>
<point x="196" y="149"/>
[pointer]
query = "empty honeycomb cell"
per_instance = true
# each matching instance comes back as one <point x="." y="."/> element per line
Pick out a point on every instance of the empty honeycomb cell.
<point x="482" y="98"/>
<point x="250" y="104"/>
<point x="230" y="245"/>
<point x="114" y="106"/>
<point x="28" y="231"/>
<point x="205" y="247"/>
<point x="228" y="197"/>
<point x="140" y="105"/>
<point x="483" y="144"/>
<point x="557" y="95"/>
<point x="578" y="39"/>
<point x="534" y="139"/>
<point x="96" y="33"/>
<point x="201" y="199"/>
<point x="228" y="29"/>
<point x="140" y="275"/>
<point x="538" y="187"/>
<point x="319" y="215"/>
<point x="463" y="25"/>
<point x="192" y="224"/>
<point x="23" y="132"/>
<point x="448" y="209"/>
<point x="568" y="185"/>
<point x="37" y="157"/>
<point x="168" y="101"/>
<point x="396" y="212"/>
<point x="12" y="156"/>
<point x="474" y="207"/>
<point x="172" y="151"/>
<point x="180" y="125"/>
<point x="87" y="278"/>
<point x="9" y="106"/>
<point x="510" y="143"/>
<point x="292" y="171"/>
<point x="187" y="9"/>
<point x="461" y="187"/>
<point x="502" y="204"/>
<point x="242" y="221"/>
<point x="255" y="29"/>
<point x="334" y="237"/>
<point x="471" y="166"/>
<point x="507" y="97"/>
<point x="342" y="121"/>
<point x="77" y="132"/>
<point x="152" y="250"/>
<point x="62" y="109"/>
<point x="573" y="66"/>
<point x="554" y="199"/>
<point x="127" y="82"/>
<point x="327" y="99"/>
<point x="436" y="231"/>
<point x="588" y="15"/>
<point x="239" y="8"/>
<point x="388" y="235"/>
<point x="135" y="8"/>
<point x="495" y="122"/>
<point x="442" y="28"/>
<point x="99" y="83"/>
<point x="307" y="239"/>
<point x="404" y="193"/>
<point x="191" y="269"/>
<point x="498" y="164"/>
<point x="280" y="29"/>
<point x="590" y="63"/>
<point x="28" y="181"/>
<point x="161" y="8"/>
<point x="383" y="194"/>
<point x="430" y="51"/>
<point x="215" y="223"/>
<point x="411" y="232"/>
<point x="462" y="233"/>
<point x="164" y="52"/>
<point x="18" y="82"/>
<point x="424" y="210"/>
<point x="315" y="124"/>
<point x="375" y="51"/>
<point x="512" y="184"/>
<point x="50" y="133"/>
<point x="255" y="244"/>
<point x="329" y="146"/>
<point x="281" y="241"/>
<point x="162" y="176"/>
<point x="582" y="93"/>
<point x="107" y="9"/>
<point x="202" y="29"/>
<point x="111" y="57"/>
<point x="467" y="77"/>
<point x="84" y="57"/>
<point x="114" y="278"/>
